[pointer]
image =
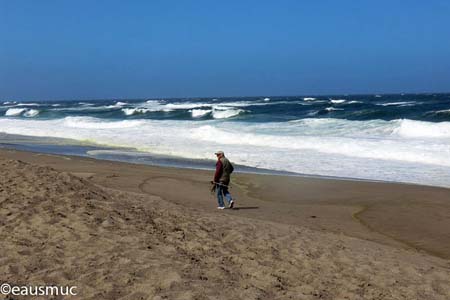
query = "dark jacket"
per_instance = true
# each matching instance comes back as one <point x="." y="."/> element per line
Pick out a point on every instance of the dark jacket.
<point x="223" y="171"/>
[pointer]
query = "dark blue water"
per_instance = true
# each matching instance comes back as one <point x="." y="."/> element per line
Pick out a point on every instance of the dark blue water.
<point x="423" y="107"/>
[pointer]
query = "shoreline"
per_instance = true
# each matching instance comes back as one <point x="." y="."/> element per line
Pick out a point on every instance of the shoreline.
<point x="60" y="146"/>
<point x="376" y="211"/>
<point x="123" y="231"/>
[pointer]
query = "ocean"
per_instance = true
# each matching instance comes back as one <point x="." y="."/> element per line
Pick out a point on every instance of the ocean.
<point x="400" y="138"/>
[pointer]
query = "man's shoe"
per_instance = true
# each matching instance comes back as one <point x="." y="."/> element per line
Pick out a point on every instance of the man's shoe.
<point x="220" y="207"/>
<point x="231" y="204"/>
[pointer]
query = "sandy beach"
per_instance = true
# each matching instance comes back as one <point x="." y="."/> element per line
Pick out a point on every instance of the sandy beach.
<point x="327" y="121"/>
<point x="126" y="231"/>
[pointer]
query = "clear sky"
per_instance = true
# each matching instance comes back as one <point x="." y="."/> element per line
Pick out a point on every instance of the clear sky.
<point x="143" y="49"/>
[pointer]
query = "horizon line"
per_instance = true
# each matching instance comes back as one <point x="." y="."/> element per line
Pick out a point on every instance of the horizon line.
<point x="233" y="96"/>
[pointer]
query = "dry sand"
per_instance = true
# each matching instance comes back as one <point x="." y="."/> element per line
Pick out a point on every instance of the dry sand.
<point x="122" y="231"/>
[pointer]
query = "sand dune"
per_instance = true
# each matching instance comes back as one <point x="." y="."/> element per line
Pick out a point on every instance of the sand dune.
<point x="57" y="228"/>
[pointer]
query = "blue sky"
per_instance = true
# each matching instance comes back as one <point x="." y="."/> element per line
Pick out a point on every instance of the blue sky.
<point x="145" y="49"/>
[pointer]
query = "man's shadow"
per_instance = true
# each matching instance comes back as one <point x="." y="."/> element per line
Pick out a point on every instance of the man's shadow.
<point x="245" y="207"/>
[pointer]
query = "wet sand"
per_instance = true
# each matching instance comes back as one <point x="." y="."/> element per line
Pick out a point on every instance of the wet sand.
<point x="125" y="231"/>
<point x="405" y="215"/>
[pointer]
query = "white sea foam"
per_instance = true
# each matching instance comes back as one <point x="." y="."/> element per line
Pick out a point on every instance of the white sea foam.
<point x="131" y="111"/>
<point x="94" y="123"/>
<point x="337" y="101"/>
<point x="421" y="129"/>
<point x="26" y="112"/>
<point x="225" y="114"/>
<point x="185" y="105"/>
<point x="84" y="108"/>
<point x="142" y="110"/>
<point x="197" y="113"/>
<point x="251" y="103"/>
<point x="333" y="108"/>
<point x="384" y="147"/>
<point x="401" y="150"/>
<point x="157" y="105"/>
<point x="401" y="103"/>
<point x="31" y="113"/>
<point x="14" y="112"/>
<point x="194" y="105"/>
<point x="309" y="99"/>
<point x="116" y="105"/>
<point x="28" y="104"/>
<point x="266" y="99"/>
<point x="197" y="109"/>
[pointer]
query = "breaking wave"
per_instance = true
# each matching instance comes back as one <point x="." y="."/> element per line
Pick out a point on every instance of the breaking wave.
<point x="397" y="137"/>
<point x="197" y="113"/>
<point x="26" y="112"/>
<point x="14" y="112"/>
<point x="31" y="113"/>
<point x="227" y="113"/>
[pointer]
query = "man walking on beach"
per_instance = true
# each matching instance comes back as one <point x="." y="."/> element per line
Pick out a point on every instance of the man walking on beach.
<point x="222" y="179"/>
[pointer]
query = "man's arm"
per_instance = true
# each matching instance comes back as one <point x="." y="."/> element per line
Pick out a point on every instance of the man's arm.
<point x="219" y="170"/>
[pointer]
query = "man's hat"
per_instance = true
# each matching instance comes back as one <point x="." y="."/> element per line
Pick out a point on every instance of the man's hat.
<point x="219" y="152"/>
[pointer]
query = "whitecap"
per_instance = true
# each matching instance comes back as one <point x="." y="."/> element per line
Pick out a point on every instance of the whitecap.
<point x="110" y="106"/>
<point x="197" y="113"/>
<point x="225" y="114"/>
<point x="150" y="101"/>
<point x="415" y="129"/>
<point x="337" y="101"/>
<point x="309" y="99"/>
<point x="14" y="112"/>
<point x="143" y="110"/>
<point x="129" y="111"/>
<point x="401" y="103"/>
<point x="333" y="108"/>
<point x="186" y="105"/>
<point x="132" y="111"/>
<point x="26" y="112"/>
<point x="31" y="113"/>
<point x="28" y="104"/>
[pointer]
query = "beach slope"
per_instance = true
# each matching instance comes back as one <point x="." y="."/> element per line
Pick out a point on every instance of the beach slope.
<point x="58" y="228"/>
